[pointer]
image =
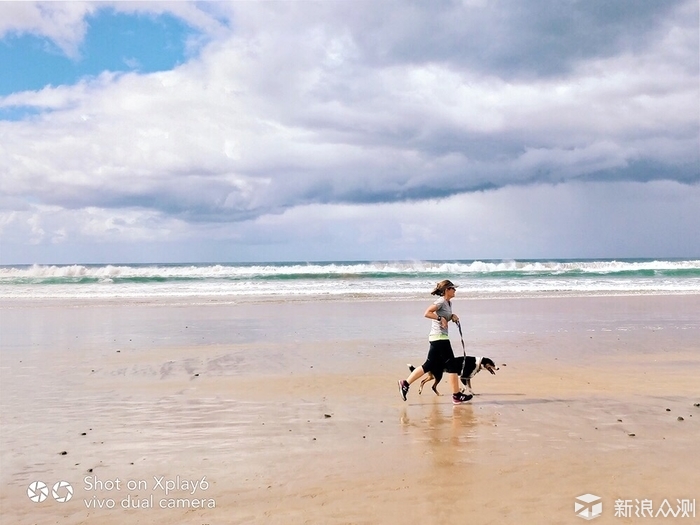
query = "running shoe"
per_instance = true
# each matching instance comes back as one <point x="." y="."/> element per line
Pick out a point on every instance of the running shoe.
<point x="460" y="398"/>
<point x="403" y="388"/>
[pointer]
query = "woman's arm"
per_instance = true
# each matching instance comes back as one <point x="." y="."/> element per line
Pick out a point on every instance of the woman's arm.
<point x="431" y="313"/>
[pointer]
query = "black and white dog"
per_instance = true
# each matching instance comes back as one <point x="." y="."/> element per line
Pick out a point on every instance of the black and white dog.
<point x="469" y="366"/>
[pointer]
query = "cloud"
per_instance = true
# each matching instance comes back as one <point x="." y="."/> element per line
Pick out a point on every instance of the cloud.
<point x="573" y="219"/>
<point x="65" y="23"/>
<point x="61" y="22"/>
<point x="510" y="39"/>
<point x="294" y="105"/>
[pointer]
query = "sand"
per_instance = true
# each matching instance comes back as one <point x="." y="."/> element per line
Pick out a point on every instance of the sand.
<point x="289" y="412"/>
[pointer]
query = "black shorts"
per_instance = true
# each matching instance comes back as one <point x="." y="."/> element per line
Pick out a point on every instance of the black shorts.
<point x="440" y="358"/>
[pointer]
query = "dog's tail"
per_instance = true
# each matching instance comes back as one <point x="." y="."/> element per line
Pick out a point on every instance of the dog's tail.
<point x="411" y="367"/>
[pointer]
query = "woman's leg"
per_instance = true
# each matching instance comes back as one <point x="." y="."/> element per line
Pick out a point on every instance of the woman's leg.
<point x="435" y="354"/>
<point x="417" y="372"/>
<point x="405" y="383"/>
<point x="454" y="382"/>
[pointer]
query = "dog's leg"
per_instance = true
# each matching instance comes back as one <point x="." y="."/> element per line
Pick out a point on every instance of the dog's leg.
<point x="469" y="386"/>
<point x="428" y="377"/>
<point x="464" y="382"/>
<point x="438" y="378"/>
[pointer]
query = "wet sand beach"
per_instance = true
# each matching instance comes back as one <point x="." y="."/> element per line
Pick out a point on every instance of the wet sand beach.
<point x="288" y="412"/>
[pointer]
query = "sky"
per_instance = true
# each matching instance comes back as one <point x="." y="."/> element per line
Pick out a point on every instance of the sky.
<point x="137" y="132"/>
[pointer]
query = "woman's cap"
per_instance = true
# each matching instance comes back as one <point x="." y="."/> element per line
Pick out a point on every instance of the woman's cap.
<point x="442" y="286"/>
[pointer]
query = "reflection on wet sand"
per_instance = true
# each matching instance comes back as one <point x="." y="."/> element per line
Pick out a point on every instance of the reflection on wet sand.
<point x="443" y="431"/>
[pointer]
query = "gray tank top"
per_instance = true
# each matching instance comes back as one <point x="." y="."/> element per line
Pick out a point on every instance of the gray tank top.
<point x="437" y="332"/>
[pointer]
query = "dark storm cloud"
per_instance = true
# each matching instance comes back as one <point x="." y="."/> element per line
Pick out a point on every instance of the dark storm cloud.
<point x="508" y="38"/>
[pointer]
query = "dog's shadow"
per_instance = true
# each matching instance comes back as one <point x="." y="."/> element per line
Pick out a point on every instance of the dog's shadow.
<point x="496" y="399"/>
<point x="486" y="394"/>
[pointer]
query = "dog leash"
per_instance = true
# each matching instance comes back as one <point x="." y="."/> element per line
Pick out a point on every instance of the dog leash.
<point x="464" y="350"/>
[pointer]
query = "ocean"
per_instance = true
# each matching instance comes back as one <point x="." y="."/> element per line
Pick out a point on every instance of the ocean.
<point x="350" y="279"/>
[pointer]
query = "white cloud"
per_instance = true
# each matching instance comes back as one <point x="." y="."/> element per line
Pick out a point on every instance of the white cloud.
<point x="296" y="112"/>
<point x="62" y="22"/>
<point x="65" y="22"/>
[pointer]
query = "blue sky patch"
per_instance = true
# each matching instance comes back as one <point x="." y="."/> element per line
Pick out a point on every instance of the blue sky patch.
<point x="114" y="42"/>
<point x="15" y="113"/>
